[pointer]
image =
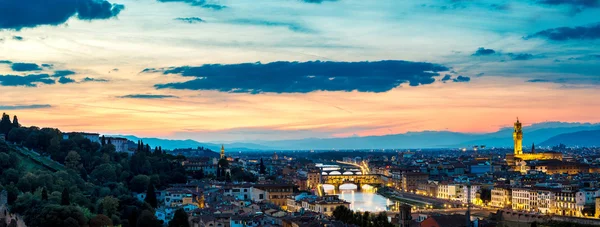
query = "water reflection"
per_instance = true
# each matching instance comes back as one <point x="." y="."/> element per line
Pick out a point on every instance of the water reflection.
<point x="365" y="200"/>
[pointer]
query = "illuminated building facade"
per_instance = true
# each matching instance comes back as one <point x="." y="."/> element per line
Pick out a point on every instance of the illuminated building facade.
<point x="222" y="152"/>
<point x="519" y="155"/>
<point x="518" y="138"/>
<point x="501" y="197"/>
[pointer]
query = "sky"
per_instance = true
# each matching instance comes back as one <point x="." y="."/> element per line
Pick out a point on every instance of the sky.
<point x="245" y="70"/>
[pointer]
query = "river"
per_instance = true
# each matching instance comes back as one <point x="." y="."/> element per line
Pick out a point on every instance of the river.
<point x="365" y="200"/>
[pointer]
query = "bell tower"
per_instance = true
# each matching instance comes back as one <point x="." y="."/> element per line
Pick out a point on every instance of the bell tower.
<point x="222" y="151"/>
<point x="518" y="138"/>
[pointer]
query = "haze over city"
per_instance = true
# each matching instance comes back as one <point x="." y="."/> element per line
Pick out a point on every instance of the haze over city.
<point x="242" y="70"/>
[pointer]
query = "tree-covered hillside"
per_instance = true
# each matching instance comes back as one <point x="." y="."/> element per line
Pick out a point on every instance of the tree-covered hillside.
<point x="94" y="186"/>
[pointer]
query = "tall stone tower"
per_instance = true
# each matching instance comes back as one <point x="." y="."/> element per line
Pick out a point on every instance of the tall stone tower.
<point x="405" y="216"/>
<point x="518" y="138"/>
<point x="222" y="152"/>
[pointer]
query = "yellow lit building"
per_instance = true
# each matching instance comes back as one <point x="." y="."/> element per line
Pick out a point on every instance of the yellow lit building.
<point x="222" y="152"/>
<point x="598" y="207"/>
<point x="501" y="197"/>
<point x="519" y="155"/>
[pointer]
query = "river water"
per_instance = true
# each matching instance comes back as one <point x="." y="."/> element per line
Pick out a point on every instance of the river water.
<point x="365" y="200"/>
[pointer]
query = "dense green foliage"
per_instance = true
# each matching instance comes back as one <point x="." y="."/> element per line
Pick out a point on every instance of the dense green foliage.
<point x="180" y="219"/>
<point x="97" y="180"/>
<point x="365" y="219"/>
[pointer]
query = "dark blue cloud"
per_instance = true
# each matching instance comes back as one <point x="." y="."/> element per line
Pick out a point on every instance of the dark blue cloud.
<point x="590" y="57"/>
<point x="199" y="3"/>
<point x="289" y="25"/>
<point x="5" y="62"/>
<point x="482" y="52"/>
<point x="521" y="57"/>
<point x="569" y="33"/>
<point x="27" y="81"/>
<point x="19" y="14"/>
<point x="446" y="78"/>
<point x="63" y="73"/>
<point x="303" y="77"/>
<point x="89" y="79"/>
<point x="18" y="38"/>
<point x="318" y="1"/>
<point x="25" y="107"/>
<point x="190" y="20"/>
<point x="147" y="96"/>
<point x="66" y="80"/>
<point x="461" y="79"/>
<point x="576" y="6"/>
<point x="538" y="81"/>
<point x="23" y="67"/>
<point x="47" y="66"/>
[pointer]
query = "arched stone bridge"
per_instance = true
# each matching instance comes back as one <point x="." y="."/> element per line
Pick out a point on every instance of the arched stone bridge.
<point x="341" y="171"/>
<point x="358" y="180"/>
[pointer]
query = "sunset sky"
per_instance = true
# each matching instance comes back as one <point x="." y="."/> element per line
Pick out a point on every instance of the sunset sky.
<point x="243" y="70"/>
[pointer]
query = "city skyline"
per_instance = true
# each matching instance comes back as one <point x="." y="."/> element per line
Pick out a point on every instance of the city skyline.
<point x="177" y="69"/>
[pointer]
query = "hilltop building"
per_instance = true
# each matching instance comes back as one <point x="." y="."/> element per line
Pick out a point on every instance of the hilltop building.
<point x="121" y="144"/>
<point x="94" y="137"/>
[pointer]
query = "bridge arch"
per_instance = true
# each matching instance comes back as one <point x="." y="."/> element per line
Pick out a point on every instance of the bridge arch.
<point x="335" y="173"/>
<point x="348" y="186"/>
<point x="348" y="173"/>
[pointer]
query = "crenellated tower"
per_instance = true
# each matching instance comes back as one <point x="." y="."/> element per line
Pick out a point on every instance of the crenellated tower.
<point x="222" y="151"/>
<point x="518" y="138"/>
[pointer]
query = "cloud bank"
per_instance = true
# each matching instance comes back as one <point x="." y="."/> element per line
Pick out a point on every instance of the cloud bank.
<point x="27" y="81"/>
<point x="589" y="32"/>
<point x="19" y="14"/>
<point x="303" y="77"/>
<point x="147" y="96"/>
<point x="24" y="107"/>
<point x="199" y="3"/>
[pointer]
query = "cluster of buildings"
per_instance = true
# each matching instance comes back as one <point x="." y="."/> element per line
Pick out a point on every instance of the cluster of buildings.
<point x="548" y="183"/>
<point x="244" y="204"/>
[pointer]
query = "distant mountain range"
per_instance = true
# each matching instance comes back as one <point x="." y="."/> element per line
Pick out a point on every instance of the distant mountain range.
<point x="541" y="134"/>
<point x="582" y="138"/>
<point x="173" y="144"/>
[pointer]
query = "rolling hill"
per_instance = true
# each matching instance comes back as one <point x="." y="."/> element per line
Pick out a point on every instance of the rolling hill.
<point x="590" y="138"/>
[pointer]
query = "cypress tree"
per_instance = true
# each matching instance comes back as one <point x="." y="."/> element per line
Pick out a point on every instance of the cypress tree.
<point x="263" y="169"/>
<point x="109" y="141"/>
<point x="65" y="201"/>
<point x="15" y="122"/>
<point x="44" y="194"/>
<point x="151" y="196"/>
<point x="103" y="140"/>
<point x="180" y="219"/>
<point x="147" y="148"/>
<point x="5" y="124"/>
<point x="228" y="177"/>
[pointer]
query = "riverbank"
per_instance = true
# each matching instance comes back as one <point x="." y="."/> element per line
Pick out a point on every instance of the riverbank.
<point x="416" y="203"/>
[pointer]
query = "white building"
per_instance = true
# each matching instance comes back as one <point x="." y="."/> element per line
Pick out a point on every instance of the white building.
<point x="521" y="199"/>
<point x="464" y="195"/>
<point x="501" y="197"/>
<point x="239" y="192"/>
<point x="94" y="137"/>
<point x="545" y="201"/>
<point x="119" y="143"/>
<point x="450" y="191"/>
